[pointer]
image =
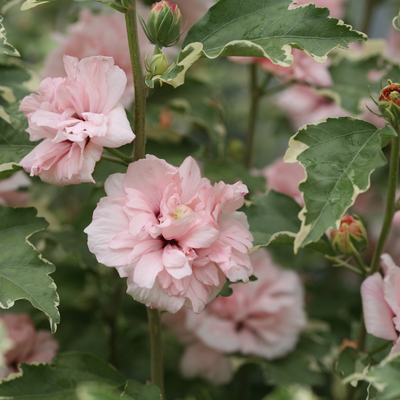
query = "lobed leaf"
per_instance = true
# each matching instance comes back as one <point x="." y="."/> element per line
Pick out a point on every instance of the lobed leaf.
<point x="274" y="221"/>
<point x="14" y="146"/>
<point x="383" y="379"/>
<point x="351" y="78"/>
<point x="5" y="47"/>
<point x="338" y="155"/>
<point x="351" y="361"/>
<point x="24" y="274"/>
<point x="261" y="28"/>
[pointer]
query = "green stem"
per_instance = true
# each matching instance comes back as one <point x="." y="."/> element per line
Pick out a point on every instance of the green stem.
<point x="113" y="159"/>
<point x="390" y="205"/>
<point x="138" y="80"/>
<point x="126" y="159"/>
<point x="251" y="129"/>
<point x="340" y="263"/>
<point x="368" y="15"/>
<point x="387" y="223"/>
<point x="157" y="49"/>
<point x="157" y="373"/>
<point x="361" y="264"/>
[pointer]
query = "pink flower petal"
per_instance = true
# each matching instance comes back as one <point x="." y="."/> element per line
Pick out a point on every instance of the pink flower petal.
<point x="377" y="313"/>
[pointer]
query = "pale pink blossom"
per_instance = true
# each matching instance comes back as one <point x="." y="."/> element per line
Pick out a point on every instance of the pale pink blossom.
<point x="305" y="106"/>
<point x="173" y="235"/>
<point x="262" y="318"/>
<point x="303" y="69"/>
<point x="76" y="116"/>
<point x="192" y="10"/>
<point x="336" y="7"/>
<point x="198" y="360"/>
<point x="105" y="34"/>
<point x="94" y="35"/>
<point x="381" y="303"/>
<point x="9" y="194"/>
<point x="285" y="178"/>
<point x="28" y="345"/>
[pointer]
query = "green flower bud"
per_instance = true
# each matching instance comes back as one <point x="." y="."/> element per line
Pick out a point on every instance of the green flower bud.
<point x="351" y="237"/>
<point x="158" y="64"/>
<point x="389" y="104"/>
<point x="164" y="24"/>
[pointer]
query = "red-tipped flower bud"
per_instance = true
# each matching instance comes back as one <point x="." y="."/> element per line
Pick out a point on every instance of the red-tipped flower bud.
<point x="164" y="24"/>
<point x="351" y="237"/>
<point x="389" y="104"/>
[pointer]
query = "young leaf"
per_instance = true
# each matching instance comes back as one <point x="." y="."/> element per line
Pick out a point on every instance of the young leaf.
<point x="60" y="379"/>
<point x="5" y="47"/>
<point x="274" y="221"/>
<point x="338" y="155"/>
<point x="23" y="273"/>
<point x="261" y="28"/>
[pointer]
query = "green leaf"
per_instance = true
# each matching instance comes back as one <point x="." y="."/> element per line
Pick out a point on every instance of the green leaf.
<point x="23" y="273"/>
<point x="291" y="392"/>
<point x="14" y="146"/>
<point x="338" y="155"/>
<point x="260" y="28"/>
<point x="195" y="102"/>
<point x="351" y="361"/>
<point x="383" y="379"/>
<point x="138" y="391"/>
<point x="299" y="366"/>
<point x="231" y="171"/>
<point x="98" y="392"/>
<point x="175" y="74"/>
<point x="274" y="221"/>
<point x="59" y="380"/>
<point x="5" y="47"/>
<point x="350" y="75"/>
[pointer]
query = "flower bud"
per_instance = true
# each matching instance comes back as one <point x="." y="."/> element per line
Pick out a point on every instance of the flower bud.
<point x="158" y="64"/>
<point x="351" y="236"/>
<point x="389" y="104"/>
<point x="163" y="24"/>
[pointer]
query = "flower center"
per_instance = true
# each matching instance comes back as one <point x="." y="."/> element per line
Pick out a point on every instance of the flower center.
<point x="182" y="211"/>
<point x="394" y="95"/>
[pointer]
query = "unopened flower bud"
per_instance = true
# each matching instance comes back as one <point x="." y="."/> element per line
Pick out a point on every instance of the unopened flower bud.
<point x="389" y="104"/>
<point x="158" y="64"/>
<point x="351" y="237"/>
<point x="163" y="24"/>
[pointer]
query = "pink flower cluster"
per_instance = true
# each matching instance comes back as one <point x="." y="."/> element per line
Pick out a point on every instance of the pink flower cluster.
<point x="28" y="345"/>
<point x="88" y="37"/>
<point x="174" y="235"/>
<point x="381" y="303"/>
<point x="9" y="194"/>
<point x="262" y="318"/>
<point x="76" y="116"/>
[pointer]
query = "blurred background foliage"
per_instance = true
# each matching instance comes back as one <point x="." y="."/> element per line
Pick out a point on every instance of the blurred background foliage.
<point x="206" y="118"/>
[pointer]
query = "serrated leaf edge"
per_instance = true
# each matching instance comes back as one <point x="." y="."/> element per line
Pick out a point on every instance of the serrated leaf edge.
<point x="53" y="325"/>
<point x="295" y="149"/>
